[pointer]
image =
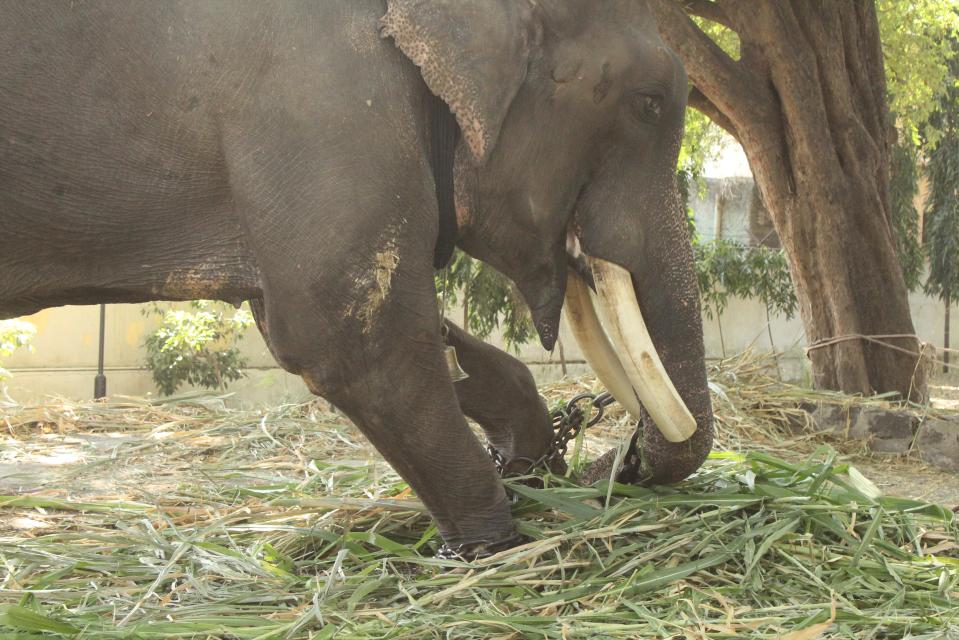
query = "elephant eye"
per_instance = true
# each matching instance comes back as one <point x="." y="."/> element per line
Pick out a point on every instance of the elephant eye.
<point x="648" y="107"/>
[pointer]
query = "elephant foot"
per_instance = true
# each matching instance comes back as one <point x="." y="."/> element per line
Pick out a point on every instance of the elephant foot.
<point x="602" y="467"/>
<point x="471" y="551"/>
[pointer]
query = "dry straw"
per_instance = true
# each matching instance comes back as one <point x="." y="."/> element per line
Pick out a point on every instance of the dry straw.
<point x="188" y="520"/>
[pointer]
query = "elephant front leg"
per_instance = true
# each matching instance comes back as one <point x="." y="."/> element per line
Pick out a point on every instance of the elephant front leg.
<point x="383" y="366"/>
<point x="344" y="247"/>
<point x="501" y="396"/>
<point x="406" y="407"/>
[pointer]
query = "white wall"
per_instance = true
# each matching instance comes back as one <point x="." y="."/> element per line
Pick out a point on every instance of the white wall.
<point x="64" y="360"/>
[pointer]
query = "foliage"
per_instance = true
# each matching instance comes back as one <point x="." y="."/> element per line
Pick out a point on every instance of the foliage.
<point x="942" y="208"/>
<point x="727" y="39"/>
<point x="14" y="334"/>
<point x="197" y="347"/>
<point x="726" y="268"/>
<point x="489" y="298"/>
<point x="915" y="41"/>
<point x="703" y="140"/>
<point x="903" y="187"/>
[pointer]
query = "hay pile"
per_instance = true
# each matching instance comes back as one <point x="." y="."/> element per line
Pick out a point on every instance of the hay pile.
<point x="188" y="520"/>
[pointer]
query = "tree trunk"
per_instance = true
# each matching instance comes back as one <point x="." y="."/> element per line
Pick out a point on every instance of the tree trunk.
<point x="807" y="101"/>
<point x="849" y="283"/>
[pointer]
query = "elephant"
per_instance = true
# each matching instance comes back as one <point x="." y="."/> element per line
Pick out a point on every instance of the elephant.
<point x="284" y="152"/>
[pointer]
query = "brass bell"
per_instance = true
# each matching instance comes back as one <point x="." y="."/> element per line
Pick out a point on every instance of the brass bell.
<point x="456" y="371"/>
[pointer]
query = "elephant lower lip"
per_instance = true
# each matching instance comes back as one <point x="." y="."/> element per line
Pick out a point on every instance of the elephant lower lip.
<point x="546" y="318"/>
<point x="547" y="336"/>
<point x="546" y="323"/>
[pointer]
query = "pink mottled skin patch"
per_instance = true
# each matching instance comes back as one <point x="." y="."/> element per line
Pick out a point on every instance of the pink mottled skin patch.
<point x="428" y="53"/>
<point x="463" y="215"/>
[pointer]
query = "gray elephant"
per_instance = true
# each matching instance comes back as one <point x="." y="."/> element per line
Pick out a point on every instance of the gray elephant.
<point x="289" y="153"/>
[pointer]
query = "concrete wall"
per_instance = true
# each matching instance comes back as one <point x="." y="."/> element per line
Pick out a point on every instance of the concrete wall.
<point x="64" y="359"/>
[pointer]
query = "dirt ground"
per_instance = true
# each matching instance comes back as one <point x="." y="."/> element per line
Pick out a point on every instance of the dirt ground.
<point x="905" y="478"/>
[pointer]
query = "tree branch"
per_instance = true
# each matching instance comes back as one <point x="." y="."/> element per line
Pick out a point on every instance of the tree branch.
<point x="740" y="100"/>
<point x="707" y="10"/>
<point x="701" y="103"/>
<point x="794" y="71"/>
<point x="713" y="72"/>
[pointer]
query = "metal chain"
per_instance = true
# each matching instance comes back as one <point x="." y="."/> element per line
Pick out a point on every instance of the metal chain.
<point x="568" y="421"/>
<point x="470" y="551"/>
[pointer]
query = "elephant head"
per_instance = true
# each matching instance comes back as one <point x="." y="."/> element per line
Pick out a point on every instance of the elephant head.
<point x="572" y="117"/>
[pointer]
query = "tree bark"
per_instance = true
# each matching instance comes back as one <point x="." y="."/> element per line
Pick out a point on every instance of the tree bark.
<point x="807" y="101"/>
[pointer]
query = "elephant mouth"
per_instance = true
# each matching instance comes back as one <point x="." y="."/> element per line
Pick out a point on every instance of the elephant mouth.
<point x="609" y="327"/>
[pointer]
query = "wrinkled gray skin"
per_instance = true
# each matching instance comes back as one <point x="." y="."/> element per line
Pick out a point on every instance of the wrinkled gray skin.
<point x="276" y="151"/>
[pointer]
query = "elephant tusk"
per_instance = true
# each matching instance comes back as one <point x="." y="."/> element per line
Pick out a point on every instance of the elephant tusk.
<point x="623" y="318"/>
<point x="594" y="344"/>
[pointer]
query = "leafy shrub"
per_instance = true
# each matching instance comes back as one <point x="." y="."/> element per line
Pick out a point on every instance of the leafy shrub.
<point x="489" y="299"/>
<point x="942" y="206"/>
<point x="197" y="346"/>
<point x="727" y="268"/>
<point x="14" y="334"/>
<point x="724" y="268"/>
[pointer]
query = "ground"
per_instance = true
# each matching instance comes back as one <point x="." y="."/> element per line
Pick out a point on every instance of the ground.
<point x="190" y="520"/>
<point x="63" y="457"/>
<point x="905" y="476"/>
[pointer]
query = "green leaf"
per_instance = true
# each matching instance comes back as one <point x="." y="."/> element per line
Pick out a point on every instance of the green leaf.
<point x="555" y="499"/>
<point x="22" y="619"/>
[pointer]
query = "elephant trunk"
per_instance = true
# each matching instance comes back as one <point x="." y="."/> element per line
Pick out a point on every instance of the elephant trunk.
<point x="655" y="364"/>
<point x="677" y="426"/>
<point x="675" y="326"/>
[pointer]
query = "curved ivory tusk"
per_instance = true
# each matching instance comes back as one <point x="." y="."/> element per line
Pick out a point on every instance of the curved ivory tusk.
<point x="594" y="344"/>
<point x="623" y="318"/>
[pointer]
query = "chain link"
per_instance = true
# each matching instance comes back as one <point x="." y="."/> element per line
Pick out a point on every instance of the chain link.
<point x="581" y="412"/>
<point x="568" y="421"/>
<point x="469" y="551"/>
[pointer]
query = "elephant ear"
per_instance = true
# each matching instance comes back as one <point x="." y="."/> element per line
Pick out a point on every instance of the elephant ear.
<point x="472" y="53"/>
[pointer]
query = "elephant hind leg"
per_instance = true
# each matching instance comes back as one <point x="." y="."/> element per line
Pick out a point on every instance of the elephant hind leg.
<point x="501" y="396"/>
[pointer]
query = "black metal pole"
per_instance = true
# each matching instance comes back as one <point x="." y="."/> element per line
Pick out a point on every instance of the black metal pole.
<point x="100" y="382"/>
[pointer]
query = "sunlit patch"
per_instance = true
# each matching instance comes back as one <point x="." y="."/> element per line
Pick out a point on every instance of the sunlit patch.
<point x="27" y="524"/>
<point x="57" y="458"/>
<point x="945" y="397"/>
